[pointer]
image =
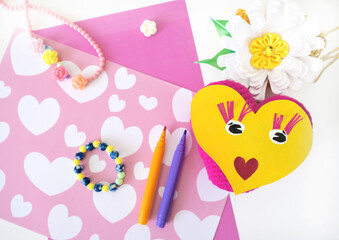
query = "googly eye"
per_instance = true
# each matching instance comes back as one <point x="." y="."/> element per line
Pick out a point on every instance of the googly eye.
<point x="234" y="127"/>
<point x="278" y="136"/>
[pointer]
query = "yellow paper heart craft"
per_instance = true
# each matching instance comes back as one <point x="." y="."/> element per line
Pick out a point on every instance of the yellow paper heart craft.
<point x="245" y="145"/>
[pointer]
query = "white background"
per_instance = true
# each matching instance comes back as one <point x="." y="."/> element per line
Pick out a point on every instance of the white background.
<point x="303" y="205"/>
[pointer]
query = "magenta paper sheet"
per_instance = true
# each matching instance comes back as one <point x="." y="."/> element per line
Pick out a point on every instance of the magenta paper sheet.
<point x="42" y="124"/>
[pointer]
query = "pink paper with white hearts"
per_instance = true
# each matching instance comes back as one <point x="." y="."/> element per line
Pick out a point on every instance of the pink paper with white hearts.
<point x="43" y="122"/>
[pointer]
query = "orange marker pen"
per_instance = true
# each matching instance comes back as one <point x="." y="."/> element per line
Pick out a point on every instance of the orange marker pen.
<point x="152" y="181"/>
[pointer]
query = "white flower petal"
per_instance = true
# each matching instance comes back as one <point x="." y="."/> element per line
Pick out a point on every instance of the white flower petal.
<point x="239" y="29"/>
<point x="273" y="13"/>
<point x="314" y="66"/>
<point x="318" y="43"/>
<point x="259" y="94"/>
<point x="279" y="81"/>
<point x="243" y="57"/>
<point x="231" y="72"/>
<point x="224" y="74"/>
<point x="299" y="44"/>
<point x="256" y="15"/>
<point x="258" y="78"/>
<point x="289" y="20"/>
<point x="293" y="66"/>
<point x="221" y="61"/>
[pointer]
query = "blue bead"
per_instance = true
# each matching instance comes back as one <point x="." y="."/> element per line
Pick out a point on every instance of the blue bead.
<point x="89" y="146"/>
<point x="78" y="169"/>
<point x="103" y="146"/>
<point x="85" y="181"/>
<point x="98" y="187"/>
<point x="113" y="187"/>
<point x="79" y="155"/>
<point x="114" y="154"/>
<point x="120" y="167"/>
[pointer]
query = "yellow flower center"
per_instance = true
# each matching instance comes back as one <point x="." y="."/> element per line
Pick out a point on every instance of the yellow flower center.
<point x="268" y="51"/>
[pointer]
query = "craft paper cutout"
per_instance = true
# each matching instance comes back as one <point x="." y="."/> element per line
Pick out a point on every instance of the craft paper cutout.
<point x="253" y="145"/>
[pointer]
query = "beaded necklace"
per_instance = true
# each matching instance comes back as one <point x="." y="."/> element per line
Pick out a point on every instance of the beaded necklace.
<point x="50" y="56"/>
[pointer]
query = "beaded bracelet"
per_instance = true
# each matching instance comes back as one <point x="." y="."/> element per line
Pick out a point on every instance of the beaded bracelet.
<point x="86" y="181"/>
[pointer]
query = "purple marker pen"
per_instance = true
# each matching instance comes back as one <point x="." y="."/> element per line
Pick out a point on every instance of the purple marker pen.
<point x="171" y="183"/>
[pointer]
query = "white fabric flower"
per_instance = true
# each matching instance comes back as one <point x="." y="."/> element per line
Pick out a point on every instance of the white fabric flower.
<point x="299" y="31"/>
<point x="148" y="28"/>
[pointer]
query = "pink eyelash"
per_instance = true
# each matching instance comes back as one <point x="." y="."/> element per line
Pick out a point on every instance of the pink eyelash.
<point x="277" y="121"/>
<point x="296" y="118"/>
<point x="222" y="110"/>
<point x="245" y="110"/>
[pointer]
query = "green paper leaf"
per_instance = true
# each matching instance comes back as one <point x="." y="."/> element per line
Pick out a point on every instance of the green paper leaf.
<point x="213" y="61"/>
<point x="220" y="25"/>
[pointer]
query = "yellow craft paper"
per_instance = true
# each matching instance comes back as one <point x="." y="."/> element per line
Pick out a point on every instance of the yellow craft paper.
<point x="274" y="160"/>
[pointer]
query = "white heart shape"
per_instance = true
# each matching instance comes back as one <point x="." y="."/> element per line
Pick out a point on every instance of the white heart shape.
<point x="94" y="237"/>
<point x="181" y="105"/>
<point x="116" y="206"/>
<point x="4" y="131"/>
<point x="73" y="138"/>
<point x="172" y="141"/>
<point x="116" y="105"/>
<point x="2" y="179"/>
<point x="93" y="90"/>
<point x="4" y="90"/>
<point x="60" y="225"/>
<point x="140" y="172"/>
<point x="126" y="141"/>
<point x="25" y="62"/>
<point x="95" y="164"/>
<point x="188" y="226"/>
<point x="138" y="231"/>
<point x="148" y="103"/>
<point x="38" y="118"/>
<point x="19" y="208"/>
<point x="207" y="191"/>
<point x="162" y="189"/>
<point x="51" y="178"/>
<point x="122" y="80"/>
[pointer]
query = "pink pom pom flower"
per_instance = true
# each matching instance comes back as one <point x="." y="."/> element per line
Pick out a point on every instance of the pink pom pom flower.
<point x="59" y="73"/>
<point x="37" y="45"/>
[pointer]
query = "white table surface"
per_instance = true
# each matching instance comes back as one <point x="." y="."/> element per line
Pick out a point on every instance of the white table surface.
<point x="303" y="205"/>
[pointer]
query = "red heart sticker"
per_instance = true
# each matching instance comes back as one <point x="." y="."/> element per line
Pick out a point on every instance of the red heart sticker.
<point x="245" y="169"/>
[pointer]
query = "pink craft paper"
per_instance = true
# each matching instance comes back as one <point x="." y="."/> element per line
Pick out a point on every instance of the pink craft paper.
<point x="89" y="118"/>
<point x="169" y="55"/>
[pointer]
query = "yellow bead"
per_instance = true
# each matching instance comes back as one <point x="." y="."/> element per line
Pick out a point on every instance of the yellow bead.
<point x="109" y="149"/>
<point x="80" y="176"/>
<point x="76" y="162"/>
<point x="82" y="149"/>
<point x="105" y="188"/>
<point x="96" y="143"/>
<point x="90" y="186"/>
<point x="118" y="160"/>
